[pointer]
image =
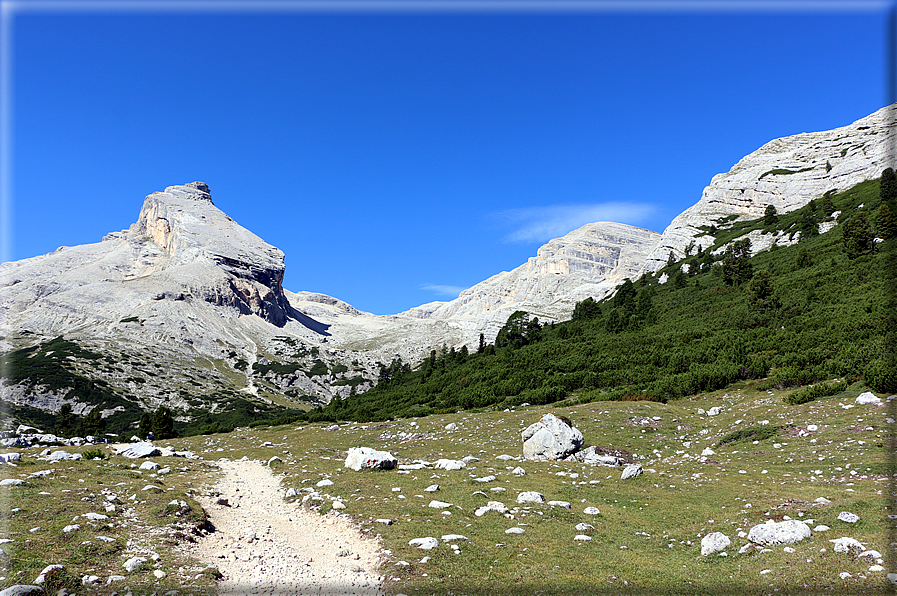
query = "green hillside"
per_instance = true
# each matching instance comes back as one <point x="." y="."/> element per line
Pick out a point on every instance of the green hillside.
<point x="786" y="317"/>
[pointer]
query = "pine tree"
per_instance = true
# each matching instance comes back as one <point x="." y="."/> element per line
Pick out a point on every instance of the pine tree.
<point x="886" y="224"/>
<point x="858" y="236"/>
<point x="163" y="423"/>
<point x="770" y="216"/>
<point x="888" y="188"/>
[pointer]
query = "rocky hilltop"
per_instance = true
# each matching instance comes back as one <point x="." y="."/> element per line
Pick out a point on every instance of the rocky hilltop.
<point x="184" y="301"/>
<point x="589" y="261"/>
<point x="786" y="173"/>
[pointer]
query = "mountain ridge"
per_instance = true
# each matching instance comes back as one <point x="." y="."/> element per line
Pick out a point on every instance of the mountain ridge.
<point x="187" y="287"/>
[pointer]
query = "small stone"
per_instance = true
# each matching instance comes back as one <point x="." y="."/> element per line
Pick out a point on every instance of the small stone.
<point x="439" y="504"/>
<point x="49" y="570"/>
<point x="582" y="538"/>
<point x="530" y="496"/>
<point x="159" y="574"/>
<point x="631" y="471"/>
<point x="432" y="488"/>
<point x="563" y="504"/>
<point x="427" y="543"/>
<point x="133" y="564"/>
<point x="591" y="511"/>
<point x="71" y="528"/>
<point x="582" y="527"/>
<point x="325" y="482"/>
<point x="515" y="530"/>
<point x="846" y="516"/>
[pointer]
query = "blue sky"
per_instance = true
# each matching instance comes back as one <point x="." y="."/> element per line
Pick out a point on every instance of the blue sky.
<point x="398" y="156"/>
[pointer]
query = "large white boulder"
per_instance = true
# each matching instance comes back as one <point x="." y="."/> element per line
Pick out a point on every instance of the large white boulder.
<point x="784" y="532"/>
<point x="550" y="439"/>
<point x="365" y="457"/>
<point x="867" y="398"/>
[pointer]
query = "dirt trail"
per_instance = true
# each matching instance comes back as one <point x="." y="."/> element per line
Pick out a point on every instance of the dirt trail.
<point x="264" y="545"/>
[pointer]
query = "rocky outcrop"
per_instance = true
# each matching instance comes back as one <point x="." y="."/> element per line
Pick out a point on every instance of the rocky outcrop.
<point x="787" y="173"/>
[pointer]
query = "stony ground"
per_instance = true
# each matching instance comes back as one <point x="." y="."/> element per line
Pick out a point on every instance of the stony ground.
<point x="264" y="545"/>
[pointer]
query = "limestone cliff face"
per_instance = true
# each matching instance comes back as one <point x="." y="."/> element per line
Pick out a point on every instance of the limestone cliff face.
<point x="787" y="173"/>
<point x="589" y="261"/>
<point x="240" y="269"/>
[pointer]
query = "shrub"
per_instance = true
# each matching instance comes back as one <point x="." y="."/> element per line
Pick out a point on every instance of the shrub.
<point x="752" y="433"/>
<point x="809" y="394"/>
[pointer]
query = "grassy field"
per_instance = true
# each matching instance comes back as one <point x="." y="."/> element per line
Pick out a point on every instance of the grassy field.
<point x="646" y="538"/>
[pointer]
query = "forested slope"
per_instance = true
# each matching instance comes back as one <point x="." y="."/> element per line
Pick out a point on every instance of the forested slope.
<point x="788" y="316"/>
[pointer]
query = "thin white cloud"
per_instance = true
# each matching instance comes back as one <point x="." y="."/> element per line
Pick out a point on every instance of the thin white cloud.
<point x="541" y="224"/>
<point x="442" y="290"/>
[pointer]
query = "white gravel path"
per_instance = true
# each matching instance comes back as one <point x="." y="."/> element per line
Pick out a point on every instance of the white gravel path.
<point x="264" y="545"/>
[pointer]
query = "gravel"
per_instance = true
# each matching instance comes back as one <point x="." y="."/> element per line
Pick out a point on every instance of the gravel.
<point x="262" y="544"/>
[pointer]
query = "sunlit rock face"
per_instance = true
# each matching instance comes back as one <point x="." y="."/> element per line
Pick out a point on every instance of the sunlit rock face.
<point x="589" y="261"/>
<point x="787" y="173"/>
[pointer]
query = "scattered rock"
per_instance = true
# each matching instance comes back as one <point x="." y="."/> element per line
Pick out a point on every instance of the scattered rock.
<point x="846" y="516"/>
<point x="71" y="528"/>
<point x="453" y="537"/>
<point x="451" y="426"/>
<point x="450" y="464"/>
<point x="439" y="505"/>
<point x="11" y="482"/>
<point x="8" y="458"/>
<point x="582" y="527"/>
<point x="138" y="450"/>
<point x="631" y="471"/>
<point x="159" y="574"/>
<point x="518" y="471"/>
<point x="274" y="459"/>
<point x="365" y="457"/>
<point x="591" y="511"/>
<point x="133" y="564"/>
<point x="491" y="506"/>
<point x="63" y="455"/>
<point x="564" y="504"/>
<point x="325" y="482"/>
<point x="384" y="521"/>
<point x="551" y="438"/>
<point x="530" y="496"/>
<point x="49" y="571"/>
<point x="515" y="530"/>
<point x="489" y="478"/>
<point x="582" y="538"/>
<point x="867" y="398"/>
<point x="432" y="488"/>
<point x="427" y="543"/>
<point x="714" y="543"/>
<point x="847" y="545"/>
<point x="22" y="590"/>
<point x="149" y="465"/>
<point x="775" y="533"/>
